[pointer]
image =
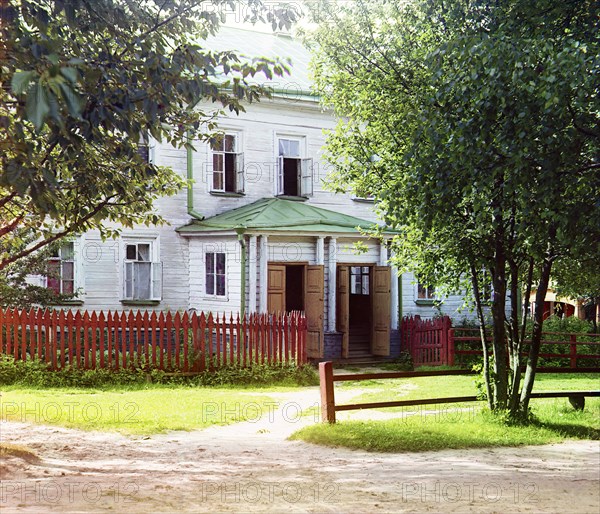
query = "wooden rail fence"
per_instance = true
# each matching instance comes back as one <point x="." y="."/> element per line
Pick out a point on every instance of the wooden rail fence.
<point x="433" y="342"/>
<point x="329" y="408"/>
<point x="574" y="343"/>
<point x="150" y="340"/>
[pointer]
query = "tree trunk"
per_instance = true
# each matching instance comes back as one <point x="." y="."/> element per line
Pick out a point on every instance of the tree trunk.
<point x="514" y="397"/>
<point x="536" y="336"/>
<point x="498" y="316"/>
<point x="515" y="337"/>
<point x="483" y="335"/>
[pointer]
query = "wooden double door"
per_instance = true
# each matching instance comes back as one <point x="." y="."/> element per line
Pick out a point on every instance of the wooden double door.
<point x="299" y="287"/>
<point x="363" y="308"/>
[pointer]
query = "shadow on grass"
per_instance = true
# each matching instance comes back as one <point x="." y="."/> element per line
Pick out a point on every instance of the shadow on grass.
<point x="570" y="430"/>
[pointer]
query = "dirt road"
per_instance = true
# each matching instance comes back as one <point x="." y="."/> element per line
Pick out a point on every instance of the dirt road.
<point x="251" y="467"/>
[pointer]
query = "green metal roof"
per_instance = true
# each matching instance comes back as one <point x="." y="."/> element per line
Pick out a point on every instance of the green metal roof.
<point x="276" y="214"/>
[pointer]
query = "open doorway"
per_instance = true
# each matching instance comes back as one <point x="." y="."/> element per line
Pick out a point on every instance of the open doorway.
<point x="299" y="287"/>
<point x="360" y="311"/>
<point x="294" y="288"/>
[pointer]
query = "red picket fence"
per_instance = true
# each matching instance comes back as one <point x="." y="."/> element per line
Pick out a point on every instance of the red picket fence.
<point x="149" y="340"/>
<point x="427" y="340"/>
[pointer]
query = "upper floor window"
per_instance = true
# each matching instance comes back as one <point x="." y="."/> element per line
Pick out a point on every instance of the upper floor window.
<point x="216" y="278"/>
<point x="359" y="280"/>
<point x="61" y="269"/>
<point x="294" y="171"/>
<point x="142" y="274"/>
<point x="227" y="165"/>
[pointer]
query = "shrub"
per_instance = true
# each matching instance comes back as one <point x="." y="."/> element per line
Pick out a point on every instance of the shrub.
<point x="37" y="374"/>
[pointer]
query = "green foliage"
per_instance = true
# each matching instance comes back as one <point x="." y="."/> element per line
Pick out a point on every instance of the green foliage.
<point x="83" y="83"/>
<point x="483" y="118"/>
<point x="570" y="325"/>
<point x="37" y="374"/>
<point x="15" y="289"/>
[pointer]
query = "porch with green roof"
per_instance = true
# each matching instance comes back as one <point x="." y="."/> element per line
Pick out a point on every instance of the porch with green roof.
<point x="279" y="215"/>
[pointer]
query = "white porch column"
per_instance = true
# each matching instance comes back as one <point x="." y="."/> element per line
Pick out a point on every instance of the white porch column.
<point x="332" y="283"/>
<point x="383" y="254"/>
<point x="320" y="253"/>
<point x="252" y="274"/>
<point x="262" y="307"/>
<point x="394" y="298"/>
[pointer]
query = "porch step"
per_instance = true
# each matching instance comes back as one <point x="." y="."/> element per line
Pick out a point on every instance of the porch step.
<point x="365" y="360"/>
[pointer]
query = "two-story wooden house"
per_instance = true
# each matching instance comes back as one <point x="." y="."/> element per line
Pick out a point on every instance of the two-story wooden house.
<point x="256" y="231"/>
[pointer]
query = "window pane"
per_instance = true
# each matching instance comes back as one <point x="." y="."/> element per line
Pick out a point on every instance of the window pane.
<point x="365" y="284"/>
<point x="294" y="148"/>
<point x="67" y="252"/>
<point x="283" y="147"/>
<point x="68" y="270"/>
<point x="365" y="270"/>
<point x="131" y="252"/>
<point x="54" y="284"/>
<point x="220" y="263"/>
<point x="68" y="287"/>
<point x="230" y="143"/>
<point x="353" y="284"/>
<point x="217" y="162"/>
<point x="144" y="252"/>
<point x="210" y="283"/>
<point x="221" y="285"/>
<point x="217" y="144"/>
<point x="210" y="263"/>
<point x="53" y="275"/>
<point x="142" y="280"/>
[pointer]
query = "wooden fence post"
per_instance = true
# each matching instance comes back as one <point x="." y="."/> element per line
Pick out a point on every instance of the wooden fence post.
<point x="327" y="395"/>
<point x="451" y="347"/>
<point x="573" y="351"/>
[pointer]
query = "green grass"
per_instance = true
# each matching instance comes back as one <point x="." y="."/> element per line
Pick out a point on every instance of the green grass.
<point x="135" y="411"/>
<point x="458" y="385"/>
<point x="555" y="421"/>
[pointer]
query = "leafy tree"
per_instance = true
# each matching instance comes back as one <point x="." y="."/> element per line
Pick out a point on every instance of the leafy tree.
<point x="16" y="290"/>
<point x="475" y="126"/>
<point x="83" y="82"/>
<point x="579" y="279"/>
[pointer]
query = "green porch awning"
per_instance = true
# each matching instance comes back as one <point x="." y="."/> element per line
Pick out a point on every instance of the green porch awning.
<point x="279" y="215"/>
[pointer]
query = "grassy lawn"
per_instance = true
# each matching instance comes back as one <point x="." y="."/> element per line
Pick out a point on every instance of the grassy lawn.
<point x="439" y="387"/>
<point x="136" y="411"/>
<point x="437" y="427"/>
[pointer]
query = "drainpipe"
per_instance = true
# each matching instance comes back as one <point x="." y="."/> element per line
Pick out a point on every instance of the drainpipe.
<point x="399" y="279"/>
<point x="190" y="185"/>
<point x="240" y="234"/>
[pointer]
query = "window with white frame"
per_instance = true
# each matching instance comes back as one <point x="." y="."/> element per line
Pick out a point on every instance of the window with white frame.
<point x="294" y="172"/>
<point x="359" y="280"/>
<point x="425" y="292"/>
<point x="142" y="274"/>
<point x="227" y="164"/>
<point x="61" y="269"/>
<point x="145" y="147"/>
<point x="215" y="276"/>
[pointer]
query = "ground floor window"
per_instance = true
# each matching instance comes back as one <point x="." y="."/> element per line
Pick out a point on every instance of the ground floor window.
<point x="61" y="269"/>
<point x="216" y="280"/>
